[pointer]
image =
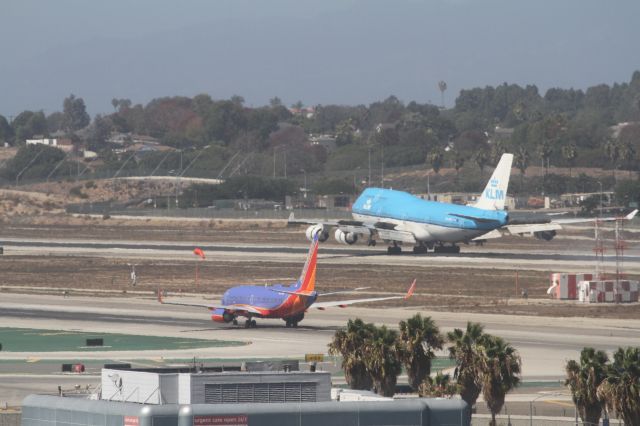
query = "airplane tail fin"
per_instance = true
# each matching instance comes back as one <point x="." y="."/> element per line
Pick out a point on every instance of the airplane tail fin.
<point x="495" y="193"/>
<point x="307" y="281"/>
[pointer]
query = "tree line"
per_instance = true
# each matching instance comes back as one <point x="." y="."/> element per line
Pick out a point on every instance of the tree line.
<point x="562" y="127"/>
<point x="373" y="357"/>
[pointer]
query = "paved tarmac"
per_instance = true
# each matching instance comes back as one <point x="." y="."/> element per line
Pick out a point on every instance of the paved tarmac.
<point x="470" y="257"/>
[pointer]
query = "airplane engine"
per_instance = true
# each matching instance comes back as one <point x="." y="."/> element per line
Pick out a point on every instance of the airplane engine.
<point x="545" y="235"/>
<point x="220" y="315"/>
<point x="318" y="230"/>
<point x="348" y="238"/>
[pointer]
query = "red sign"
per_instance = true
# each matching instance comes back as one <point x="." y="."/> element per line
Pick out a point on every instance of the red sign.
<point x="234" y="420"/>
<point x="131" y="421"/>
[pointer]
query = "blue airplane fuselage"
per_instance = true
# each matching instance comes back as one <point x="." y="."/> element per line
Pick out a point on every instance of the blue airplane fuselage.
<point x="427" y="220"/>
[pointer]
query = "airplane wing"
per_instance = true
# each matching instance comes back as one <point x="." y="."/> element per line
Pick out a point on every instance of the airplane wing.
<point x="553" y="225"/>
<point x="344" y="303"/>
<point x="383" y="230"/>
<point x="231" y="308"/>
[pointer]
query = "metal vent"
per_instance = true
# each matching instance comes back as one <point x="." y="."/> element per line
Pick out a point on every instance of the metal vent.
<point x="246" y="393"/>
<point x="212" y="394"/>
<point x="276" y="392"/>
<point x="308" y="392"/>
<point x="261" y="392"/>
<point x="230" y="393"/>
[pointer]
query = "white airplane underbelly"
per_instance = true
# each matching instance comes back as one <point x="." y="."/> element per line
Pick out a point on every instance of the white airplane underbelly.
<point x="427" y="232"/>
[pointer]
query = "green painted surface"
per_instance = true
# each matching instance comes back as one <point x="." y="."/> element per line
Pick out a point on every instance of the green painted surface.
<point x="32" y="340"/>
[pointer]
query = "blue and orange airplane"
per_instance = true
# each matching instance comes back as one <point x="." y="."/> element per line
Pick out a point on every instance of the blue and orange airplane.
<point x="286" y="302"/>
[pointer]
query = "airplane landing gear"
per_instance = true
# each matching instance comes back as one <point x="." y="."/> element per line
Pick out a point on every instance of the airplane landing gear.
<point x="250" y="323"/>
<point x="235" y="321"/>
<point x="394" y="249"/>
<point x="420" y="249"/>
<point x="371" y="243"/>
<point x="293" y="321"/>
<point x="447" y="249"/>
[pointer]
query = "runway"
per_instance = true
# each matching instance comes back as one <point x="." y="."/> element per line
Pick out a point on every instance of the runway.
<point x="544" y="343"/>
<point x="470" y="257"/>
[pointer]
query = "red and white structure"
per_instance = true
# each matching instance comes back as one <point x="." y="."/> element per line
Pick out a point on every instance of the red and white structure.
<point x="565" y="286"/>
<point x="622" y="291"/>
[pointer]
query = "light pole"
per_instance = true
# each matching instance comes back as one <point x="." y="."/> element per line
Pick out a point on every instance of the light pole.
<point x="304" y="191"/>
<point x="600" y="183"/>
<point x="534" y="400"/>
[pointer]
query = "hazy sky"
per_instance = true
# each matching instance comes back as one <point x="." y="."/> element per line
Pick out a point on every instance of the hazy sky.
<point x="324" y="51"/>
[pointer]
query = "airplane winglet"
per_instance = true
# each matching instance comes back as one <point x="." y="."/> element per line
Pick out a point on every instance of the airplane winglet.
<point x="412" y="288"/>
<point x="631" y="215"/>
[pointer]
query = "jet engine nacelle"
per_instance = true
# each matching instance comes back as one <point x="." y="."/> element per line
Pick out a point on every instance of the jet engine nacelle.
<point x="345" y="237"/>
<point x="221" y="315"/>
<point x="318" y="230"/>
<point x="545" y="235"/>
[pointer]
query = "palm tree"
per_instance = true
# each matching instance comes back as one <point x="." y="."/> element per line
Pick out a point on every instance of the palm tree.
<point x="620" y="390"/>
<point x="419" y="337"/>
<point x="627" y="153"/>
<point x="458" y="162"/>
<point x="611" y="150"/>
<point x="501" y="367"/>
<point x="435" y="158"/>
<point x="570" y="153"/>
<point x="545" y="151"/>
<point x="583" y="379"/>
<point x="522" y="161"/>
<point x="350" y="343"/>
<point x="381" y="359"/>
<point x="438" y="387"/>
<point x="466" y="350"/>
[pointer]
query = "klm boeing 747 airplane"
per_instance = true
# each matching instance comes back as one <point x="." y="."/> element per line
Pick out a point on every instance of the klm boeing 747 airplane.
<point x="400" y="218"/>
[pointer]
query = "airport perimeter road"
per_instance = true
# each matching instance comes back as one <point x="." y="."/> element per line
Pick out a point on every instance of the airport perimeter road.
<point x="471" y="256"/>
<point x="544" y="343"/>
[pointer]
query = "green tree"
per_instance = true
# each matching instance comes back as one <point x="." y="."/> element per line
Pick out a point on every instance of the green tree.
<point x="382" y="361"/>
<point x="6" y="132"/>
<point x="500" y="372"/>
<point x="627" y="154"/>
<point x="350" y="344"/>
<point x="345" y="132"/>
<point x="570" y="153"/>
<point x="497" y="149"/>
<point x="621" y="388"/>
<point x="75" y="113"/>
<point x="628" y="191"/>
<point x="583" y="379"/>
<point x="435" y="158"/>
<point x="611" y="150"/>
<point x="458" y="162"/>
<point x="481" y="158"/>
<point x="419" y="338"/>
<point x="438" y="387"/>
<point x="522" y="161"/>
<point x="467" y="352"/>
<point x="275" y="102"/>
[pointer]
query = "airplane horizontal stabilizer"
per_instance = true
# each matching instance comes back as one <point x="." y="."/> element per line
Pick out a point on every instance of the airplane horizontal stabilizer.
<point x="344" y="303"/>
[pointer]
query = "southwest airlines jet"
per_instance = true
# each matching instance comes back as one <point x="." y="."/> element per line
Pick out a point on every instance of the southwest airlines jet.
<point x="400" y="218"/>
<point x="286" y="302"/>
